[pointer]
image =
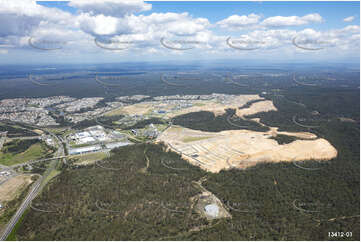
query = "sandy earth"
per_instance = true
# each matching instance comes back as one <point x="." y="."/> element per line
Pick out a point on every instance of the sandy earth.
<point x="218" y="108"/>
<point x="243" y="148"/>
<point x="232" y="148"/>
<point x="10" y="188"/>
<point x="258" y="107"/>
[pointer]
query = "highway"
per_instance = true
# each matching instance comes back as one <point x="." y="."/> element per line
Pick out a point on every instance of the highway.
<point x="34" y="191"/>
<point x="36" y="161"/>
<point x="15" y="218"/>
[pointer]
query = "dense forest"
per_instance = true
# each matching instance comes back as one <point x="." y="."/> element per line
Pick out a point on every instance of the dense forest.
<point x="13" y="131"/>
<point x="18" y="146"/>
<point x="135" y="195"/>
<point x="120" y="199"/>
<point x="207" y="121"/>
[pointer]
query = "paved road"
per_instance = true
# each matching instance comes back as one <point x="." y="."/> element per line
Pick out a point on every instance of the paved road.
<point x="2" y="141"/>
<point x="31" y="195"/>
<point x="36" y="188"/>
<point x="36" y="161"/>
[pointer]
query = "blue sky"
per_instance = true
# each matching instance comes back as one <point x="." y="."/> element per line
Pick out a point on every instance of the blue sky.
<point x="324" y="31"/>
<point x="333" y="12"/>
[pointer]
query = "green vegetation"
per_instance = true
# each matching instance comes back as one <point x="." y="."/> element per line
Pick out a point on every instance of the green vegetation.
<point x="16" y="131"/>
<point x="88" y="158"/>
<point x="142" y="124"/>
<point x="79" y="145"/>
<point x="207" y="121"/>
<point x="143" y="203"/>
<point x="19" y="151"/>
<point x="262" y="197"/>
<point x="284" y="139"/>
<point x="248" y="104"/>
<point x="18" y="146"/>
<point x="12" y="235"/>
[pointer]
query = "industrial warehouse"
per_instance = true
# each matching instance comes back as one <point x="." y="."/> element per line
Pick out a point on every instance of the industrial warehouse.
<point x="95" y="139"/>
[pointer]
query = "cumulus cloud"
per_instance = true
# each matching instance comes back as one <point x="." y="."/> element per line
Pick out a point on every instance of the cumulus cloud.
<point x="21" y="17"/>
<point x="235" y="22"/>
<point x="282" y="21"/>
<point x="117" y="21"/>
<point x="116" y="8"/>
<point x="102" y="25"/>
<point x="349" y="19"/>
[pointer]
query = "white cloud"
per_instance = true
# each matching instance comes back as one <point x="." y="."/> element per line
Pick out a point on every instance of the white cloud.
<point x="349" y="19"/>
<point x="116" y="8"/>
<point x="281" y="21"/>
<point x="102" y="25"/>
<point x="96" y="19"/>
<point x="235" y="22"/>
<point x="20" y="17"/>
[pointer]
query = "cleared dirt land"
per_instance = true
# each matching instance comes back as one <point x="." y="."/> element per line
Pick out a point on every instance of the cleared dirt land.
<point x="172" y="109"/>
<point x="242" y="148"/>
<point x="233" y="148"/>
<point x="261" y="106"/>
<point x="10" y="188"/>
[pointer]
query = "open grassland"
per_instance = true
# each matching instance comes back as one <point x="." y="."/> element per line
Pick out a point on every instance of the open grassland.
<point x="20" y="153"/>
<point x="86" y="159"/>
<point x="10" y="189"/>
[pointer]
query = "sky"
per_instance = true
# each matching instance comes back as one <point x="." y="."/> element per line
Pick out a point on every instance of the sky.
<point x="105" y="31"/>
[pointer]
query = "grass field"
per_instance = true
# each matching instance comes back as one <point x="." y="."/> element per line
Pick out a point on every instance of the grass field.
<point x="88" y="158"/>
<point x="34" y="152"/>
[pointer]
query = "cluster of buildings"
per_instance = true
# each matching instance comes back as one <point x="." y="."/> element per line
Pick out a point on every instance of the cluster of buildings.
<point x="150" y="132"/>
<point x="77" y="105"/>
<point x="185" y="97"/>
<point x="133" y="98"/>
<point x="4" y="175"/>
<point x="37" y="116"/>
<point x="2" y="138"/>
<point x="78" y="117"/>
<point x="49" y="140"/>
<point x="37" y="111"/>
<point x="30" y="110"/>
<point x="89" y="135"/>
<point x="44" y="111"/>
<point x="95" y="139"/>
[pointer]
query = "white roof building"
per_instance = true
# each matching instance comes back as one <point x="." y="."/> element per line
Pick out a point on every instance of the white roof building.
<point x="212" y="210"/>
<point x="86" y="140"/>
<point x="84" y="149"/>
<point x="117" y="144"/>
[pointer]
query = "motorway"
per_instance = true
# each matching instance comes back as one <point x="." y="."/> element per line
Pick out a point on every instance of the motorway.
<point x="15" y="218"/>
<point x="36" y="188"/>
